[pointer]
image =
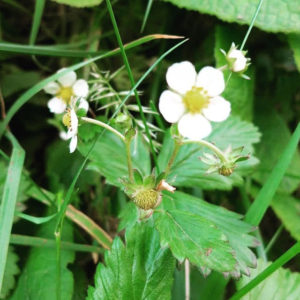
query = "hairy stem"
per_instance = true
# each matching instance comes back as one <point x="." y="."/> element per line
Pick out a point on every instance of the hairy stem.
<point x="129" y="161"/>
<point x="210" y="146"/>
<point x="104" y="125"/>
<point x="187" y="279"/>
<point x="173" y="156"/>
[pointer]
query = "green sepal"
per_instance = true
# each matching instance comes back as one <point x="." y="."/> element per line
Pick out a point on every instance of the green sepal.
<point x="138" y="178"/>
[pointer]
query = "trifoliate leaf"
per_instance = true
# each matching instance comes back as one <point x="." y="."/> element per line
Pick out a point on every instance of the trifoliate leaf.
<point x="282" y="284"/>
<point x="79" y="3"/>
<point x="138" y="270"/>
<point x="274" y="15"/>
<point x="109" y="156"/>
<point x="195" y="238"/>
<point x="38" y="278"/>
<point x="11" y="270"/>
<point x="219" y="226"/>
<point x="189" y="170"/>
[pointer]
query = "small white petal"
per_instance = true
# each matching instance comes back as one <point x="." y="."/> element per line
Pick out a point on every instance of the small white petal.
<point x="52" y="88"/>
<point x="218" y="109"/>
<point x="67" y="79"/>
<point x="81" y="88"/>
<point x="171" y="106"/>
<point x="74" y="122"/>
<point x="83" y="104"/>
<point x="194" y="127"/>
<point x="181" y="76"/>
<point x="211" y="80"/>
<point x="73" y="144"/>
<point x="240" y="61"/>
<point x="63" y="135"/>
<point x="56" y="105"/>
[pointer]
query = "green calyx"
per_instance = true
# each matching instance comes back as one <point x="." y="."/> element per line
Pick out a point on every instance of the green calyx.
<point x="143" y="191"/>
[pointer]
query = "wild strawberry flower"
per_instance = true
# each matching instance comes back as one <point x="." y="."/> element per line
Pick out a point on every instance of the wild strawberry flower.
<point x="66" y="88"/>
<point x="70" y="120"/>
<point x="194" y="100"/>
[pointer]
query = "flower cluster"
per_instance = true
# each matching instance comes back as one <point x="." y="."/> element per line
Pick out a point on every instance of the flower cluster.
<point x="69" y="97"/>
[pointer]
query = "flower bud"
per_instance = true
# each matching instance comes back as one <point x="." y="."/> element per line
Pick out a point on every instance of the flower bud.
<point x="238" y="61"/>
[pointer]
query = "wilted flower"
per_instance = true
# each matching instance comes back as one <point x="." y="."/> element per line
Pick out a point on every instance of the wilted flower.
<point x="64" y="90"/>
<point x="194" y="99"/>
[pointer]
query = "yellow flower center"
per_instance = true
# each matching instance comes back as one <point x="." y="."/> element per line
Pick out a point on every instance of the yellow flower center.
<point x="196" y="99"/>
<point x="67" y="119"/>
<point x="65" y="93"/>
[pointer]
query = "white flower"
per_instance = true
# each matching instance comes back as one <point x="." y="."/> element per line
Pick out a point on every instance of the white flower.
<point x="194" y="99"/>
<point x="70" y="120"/>
<point x="66" y="88"/>
<point x="237" y="60"/>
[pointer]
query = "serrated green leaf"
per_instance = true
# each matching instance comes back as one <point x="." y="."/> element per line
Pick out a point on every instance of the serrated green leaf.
<point x="287" y="209"/>
<point x="129" y="216"/>
<point x="109" y="156"/>
<point x="189" y="170"/>
<point x="228" y="222"/>
<point x="282" y="284"/>
<point x="274" y="16"/>
<point x="11" y="270"/>
<point x="38" y="278"/>
<point x="239" y="92"/>
<point x="195" y="238"/>
<point x="276" y="135"/>
<point x="138" y="270"/>
<point x="79" y="3"/>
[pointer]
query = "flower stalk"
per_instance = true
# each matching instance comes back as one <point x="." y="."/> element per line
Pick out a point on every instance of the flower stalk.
<point x="104" y="125"/>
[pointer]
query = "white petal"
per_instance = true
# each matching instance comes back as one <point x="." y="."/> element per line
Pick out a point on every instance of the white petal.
<point x="81" y="88"/>
<point x="240" y="61"/>
<point x="56" y="105"/>
<point x="83" y="104"/>
<point x="73" y="144"/>
<point x="218" y="109"/>
<point x="52" y="88"/>
<point x="171" y="106"/>
<point x="67" y="79"/>
<point x="211" y="80"/>
<point x="74" y="122"/>
<point x="194" y="126"/>
<point x="63" y="135"/>
<point x="181" y="76"/>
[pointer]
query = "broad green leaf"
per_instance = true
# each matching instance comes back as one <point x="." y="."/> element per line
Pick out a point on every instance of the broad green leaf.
<point x="129" y="216"/>
<point x="287" y="209"/>
<point x="192" y="237"/>
<point x="274" y="16"/>
<point x="282" y="284"/>
<point x="276" y="135"/>
<point x="79" y="3"/>
<point x="11" y="270"/>
<point x="189" y="170"/>
<point x="138" y="270"/>
<point x="38" y="278"/>
<point x="109" y="156"/>
<point x="228" y="223"/>
<point x="239" y="92"/>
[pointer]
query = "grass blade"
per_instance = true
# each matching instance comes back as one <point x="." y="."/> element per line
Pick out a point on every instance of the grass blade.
<point x="39" y="86"/>
<point x="26" y="240"/>
<point x="9" y="199"/>
<point x="147" y="12"/>
<point x="263" y="199"/>
<point x="287" y="256"/>
<point x="37" y="17"/>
